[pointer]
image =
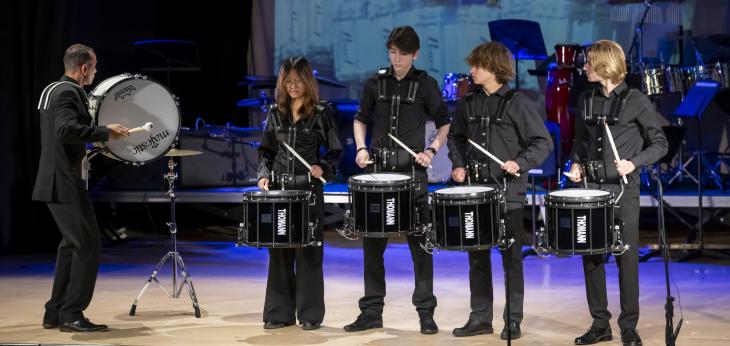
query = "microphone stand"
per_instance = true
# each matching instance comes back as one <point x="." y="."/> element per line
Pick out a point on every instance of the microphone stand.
<point x="670" y="334"/>
<point x="638" y="40"/>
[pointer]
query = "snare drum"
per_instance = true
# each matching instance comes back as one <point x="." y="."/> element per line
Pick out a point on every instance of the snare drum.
<point x="277" y="219"/>
<point x="466" y="218"/>
<point x="132" y="101"/>
<point x="579" y="221"/>
<point x="383" y="204"/>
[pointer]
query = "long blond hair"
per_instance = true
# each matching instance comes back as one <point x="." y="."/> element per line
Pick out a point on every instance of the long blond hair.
<point x="608" y="60"/>
<point x="311" y="89"/>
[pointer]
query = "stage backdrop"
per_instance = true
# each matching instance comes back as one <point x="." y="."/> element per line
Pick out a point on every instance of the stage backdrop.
<point x="345" y="39"/>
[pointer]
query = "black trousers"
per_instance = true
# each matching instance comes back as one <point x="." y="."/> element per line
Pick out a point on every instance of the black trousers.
<point x="374" y="272"/>
<point x="295" y="285"/>
<point x="77" y="261"/>
<point x="480" y="275"/>
<point x="628" y="268"/>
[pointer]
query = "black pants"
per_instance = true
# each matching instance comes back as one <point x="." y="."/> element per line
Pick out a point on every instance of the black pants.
<point x="480" y="275"/>
<point x="77" y="261"/>
<point x="374" y="248"/>
<point x="295" y="286"/>
<point x="628" y="268"/>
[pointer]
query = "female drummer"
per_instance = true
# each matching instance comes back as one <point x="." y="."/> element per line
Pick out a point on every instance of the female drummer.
<point x="295" y="283"/>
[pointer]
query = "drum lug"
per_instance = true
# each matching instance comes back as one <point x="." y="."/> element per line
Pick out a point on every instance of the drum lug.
<point x="348" y="229"/>
<point x="312" y="227"/>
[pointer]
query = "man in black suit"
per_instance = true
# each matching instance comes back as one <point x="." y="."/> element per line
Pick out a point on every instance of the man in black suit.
<point x="66" y="127"/>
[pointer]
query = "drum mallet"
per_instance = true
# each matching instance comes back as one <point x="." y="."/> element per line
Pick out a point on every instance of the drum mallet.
<point x="405" y="147"/>
<point x="301" y="159"/>
<point x="491" y="156"/>
<point x="613" y="147"/>
<point x="146" y="128"/>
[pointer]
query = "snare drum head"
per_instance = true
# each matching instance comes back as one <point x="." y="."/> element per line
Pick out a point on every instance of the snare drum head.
<point x="277" y="193"/>
<point x="132" y="102"/>
<point x="463" y="191"/>
<point x="579" y="195"/>
<point x="381" y="178"/>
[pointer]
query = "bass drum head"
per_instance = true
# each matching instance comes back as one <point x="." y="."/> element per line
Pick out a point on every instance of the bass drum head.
<point x="133" y="101"/>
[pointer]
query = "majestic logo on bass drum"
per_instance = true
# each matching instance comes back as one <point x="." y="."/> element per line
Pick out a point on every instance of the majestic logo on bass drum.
<point x="152" y="142"/>
<point x="124" y="92"/>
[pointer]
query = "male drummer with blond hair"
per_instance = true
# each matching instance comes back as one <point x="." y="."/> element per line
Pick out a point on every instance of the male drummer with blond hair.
<point x="505" y="123"/>
<point x="639" y="141"/>
<point x="66" y="127"/>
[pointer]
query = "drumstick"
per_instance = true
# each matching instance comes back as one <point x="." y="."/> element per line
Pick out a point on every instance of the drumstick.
<point x="301" y="159"/>
<point x="491" y="156"/>
<point x="405" y="147"/>
<point x="613" y="147"/>
<point x="146" y="128"/>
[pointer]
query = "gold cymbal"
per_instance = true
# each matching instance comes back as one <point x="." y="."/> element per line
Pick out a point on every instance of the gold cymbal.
<point x="182" y="152"/>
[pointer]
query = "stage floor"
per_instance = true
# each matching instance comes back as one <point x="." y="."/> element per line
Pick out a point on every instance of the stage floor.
<point x="230" y="283"/>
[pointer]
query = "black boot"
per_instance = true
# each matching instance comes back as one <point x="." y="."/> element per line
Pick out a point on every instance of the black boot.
<point x="473" y="327"/>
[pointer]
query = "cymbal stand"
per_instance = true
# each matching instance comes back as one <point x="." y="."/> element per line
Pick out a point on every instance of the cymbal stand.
<point x="173" y="255"/>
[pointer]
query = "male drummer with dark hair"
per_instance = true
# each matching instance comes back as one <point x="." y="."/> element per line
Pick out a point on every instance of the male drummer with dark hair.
<point x="506" y="123"/>
<point x="639" y="141"/>
<point x="66" y="127"/>
<point x="399" y="100"/>
<point x="295" y="286"/>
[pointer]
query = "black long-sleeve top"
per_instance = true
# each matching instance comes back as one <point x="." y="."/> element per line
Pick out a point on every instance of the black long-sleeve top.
<point x="520" y="136"/>
<point x="637" y="134"/>
<point x="306" y="136"/>
<point x="411" y="123"/>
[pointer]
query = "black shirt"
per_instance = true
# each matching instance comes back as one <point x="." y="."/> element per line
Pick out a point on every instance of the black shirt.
<point x="520" y="136"/>
<point x="637" y="134"/>
<point x="306" y="136"/>
<point x="412" y="113"/>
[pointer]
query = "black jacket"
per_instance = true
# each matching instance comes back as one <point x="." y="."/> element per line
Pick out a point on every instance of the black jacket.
<point x="306" y="136"/>
<point x="66" y="127"/>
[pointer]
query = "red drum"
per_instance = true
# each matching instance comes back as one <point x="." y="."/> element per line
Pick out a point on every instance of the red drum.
<point x="565" y="54"/>
<point x="557" y="97"/>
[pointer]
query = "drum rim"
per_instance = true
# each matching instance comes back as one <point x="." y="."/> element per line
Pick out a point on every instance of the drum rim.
<point x="128" y="76"/>
<point x="277" y="193"/>
<point x="480" y="194"/>
<point x="602" y="198"/>
<point x="352" y="181"/>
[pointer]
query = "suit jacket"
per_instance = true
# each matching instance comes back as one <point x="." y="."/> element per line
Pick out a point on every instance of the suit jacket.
<point x="66" y="127"/>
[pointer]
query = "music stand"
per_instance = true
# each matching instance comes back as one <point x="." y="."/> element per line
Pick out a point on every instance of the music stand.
<point x="693" y="106"/>
<point x="522" y="37"/>
<point x="169" y="56"/>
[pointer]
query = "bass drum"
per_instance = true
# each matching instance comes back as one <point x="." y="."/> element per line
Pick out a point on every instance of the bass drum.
<point x="132" y="101"/>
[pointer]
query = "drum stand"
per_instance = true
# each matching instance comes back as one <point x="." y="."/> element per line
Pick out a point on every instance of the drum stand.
<point x="173" y="255"/>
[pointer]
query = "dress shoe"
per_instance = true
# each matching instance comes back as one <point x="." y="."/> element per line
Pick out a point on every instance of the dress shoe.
<point x="630" y="337"/>
<point x="50" y="324"/>
<point x="82" y="325"/>
<point x="516" y="332"/>
<point x="594" y="335"/>
<point x="364" y="322"/>
<point x="428" y="325"/>
<point x="307" y="325"/>
<point x="473" y="327"/>
<point x="274" y="324"/>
